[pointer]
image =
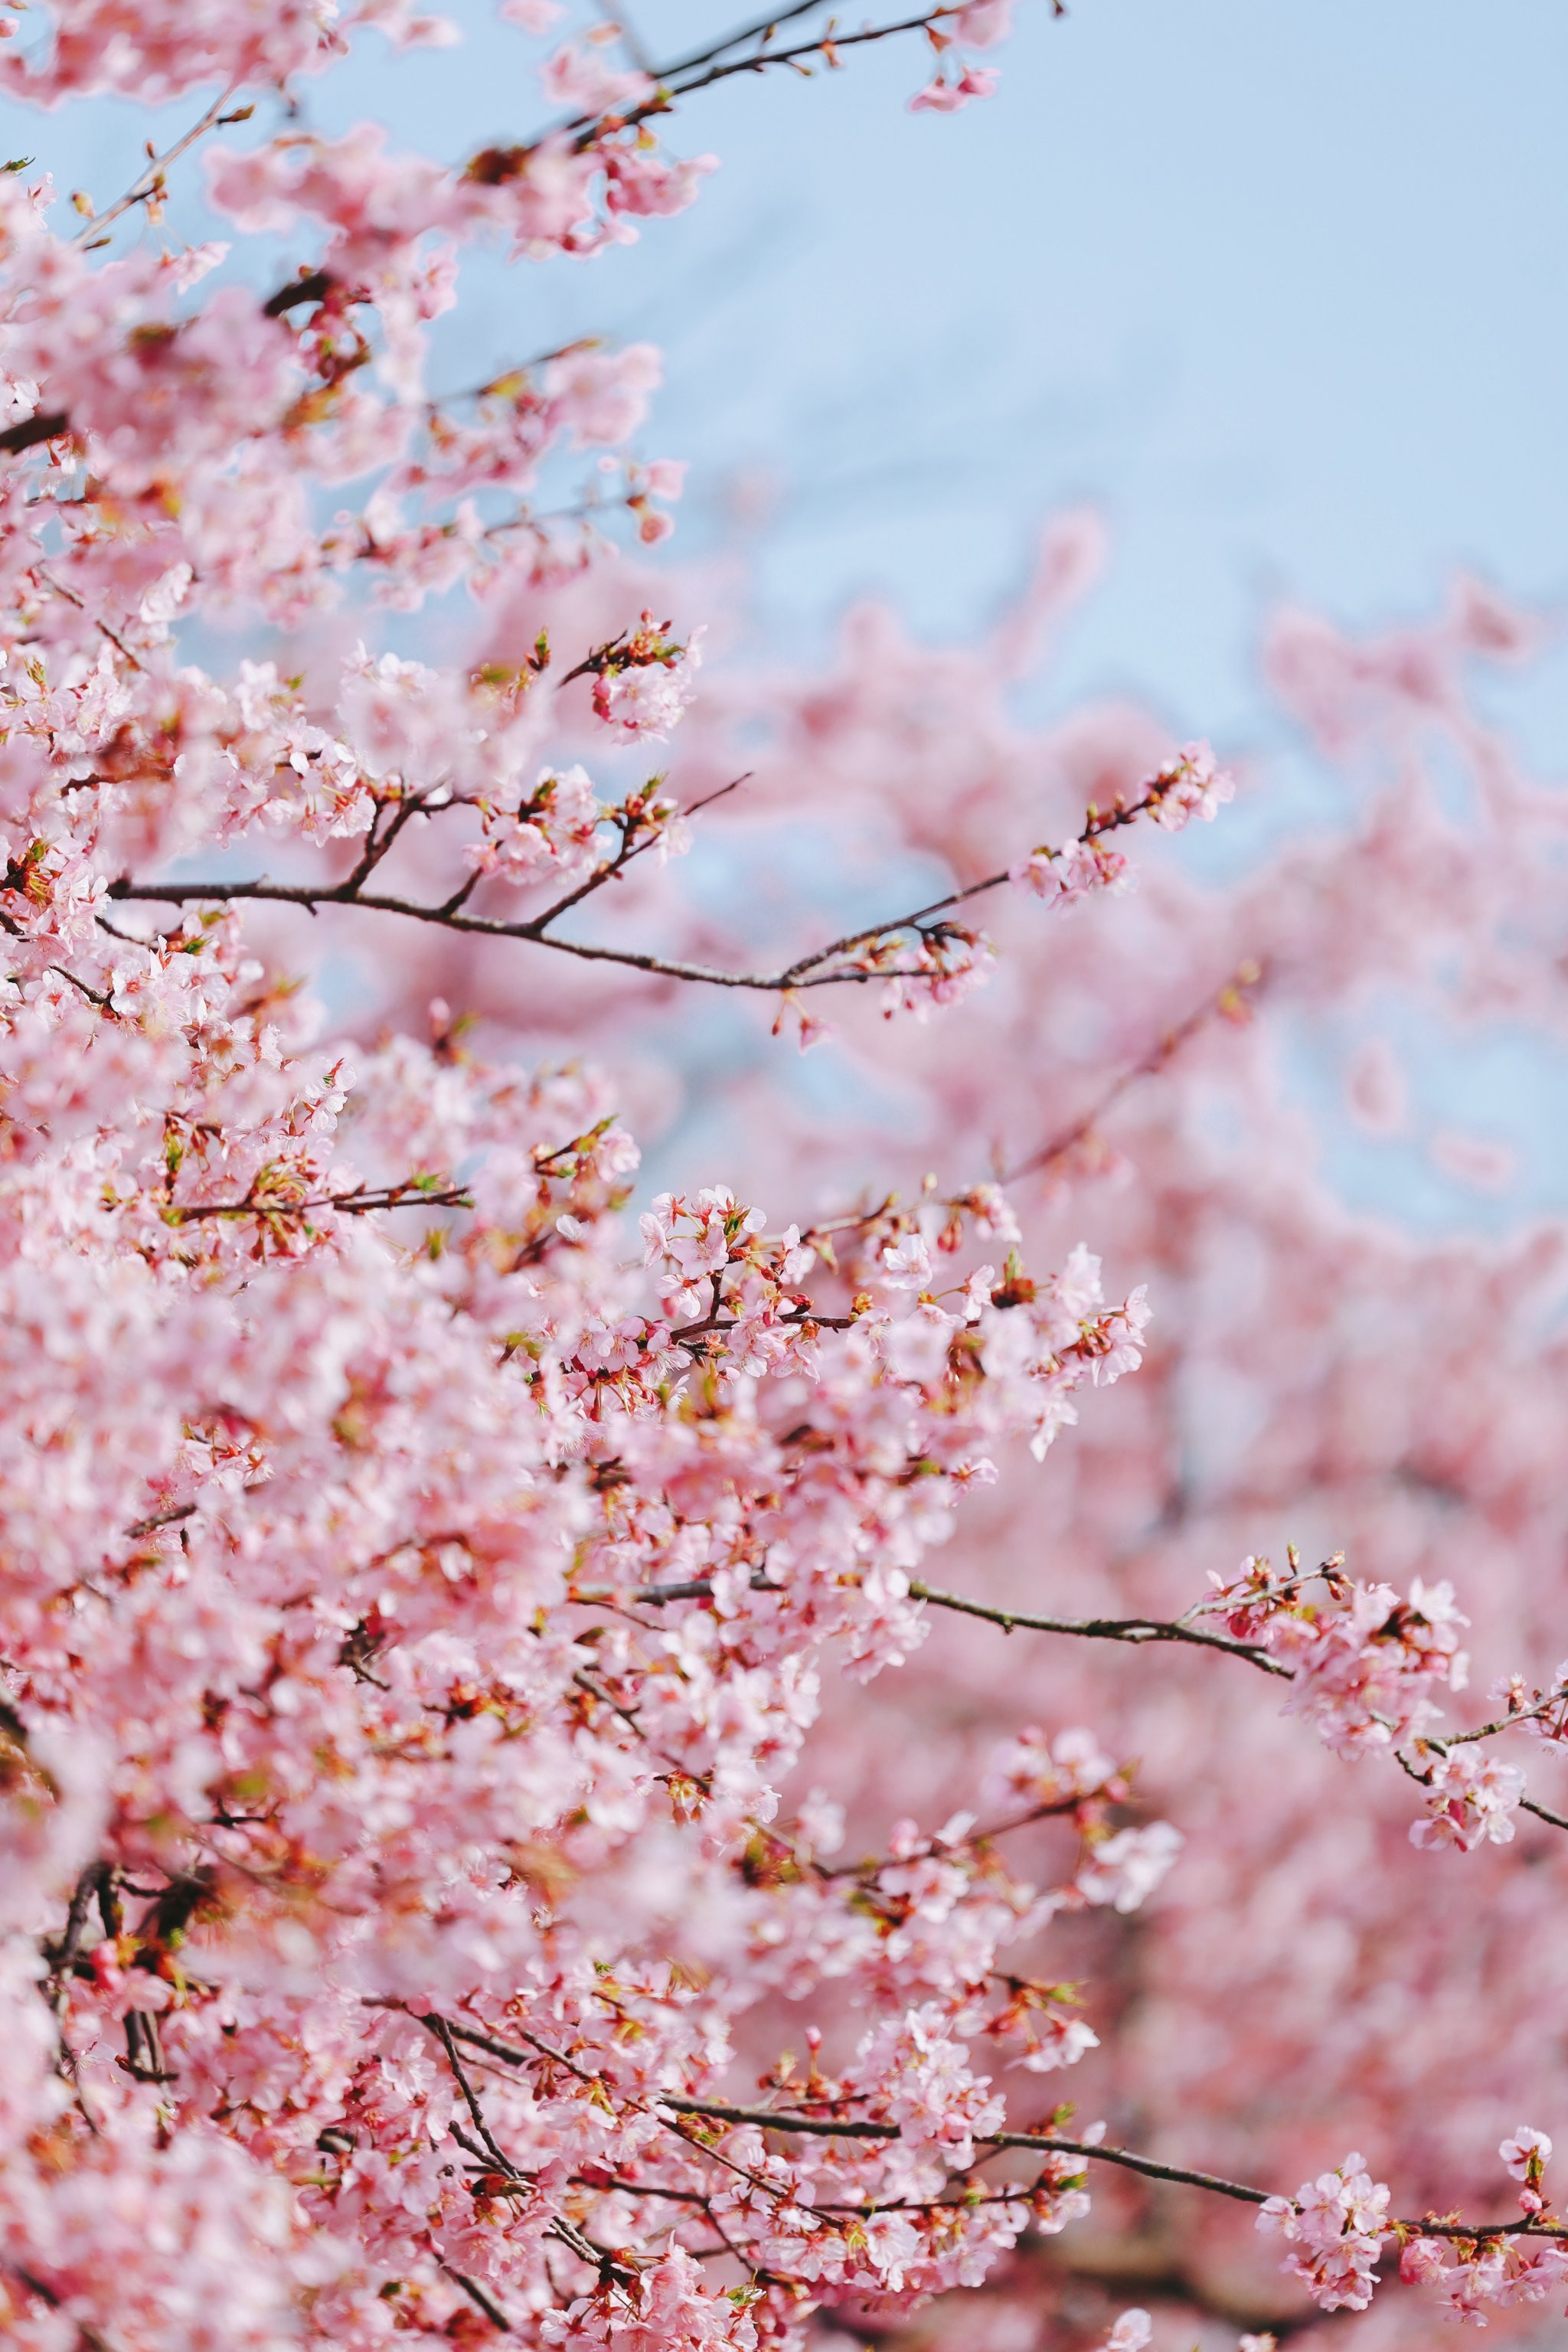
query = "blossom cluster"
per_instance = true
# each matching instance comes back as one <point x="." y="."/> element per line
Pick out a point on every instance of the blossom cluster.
<point x="1500" y="2268"/>
<point x="1365" y="1663"/>
<point x="1338" y="2222"/>
<point x="1191" y="784"/>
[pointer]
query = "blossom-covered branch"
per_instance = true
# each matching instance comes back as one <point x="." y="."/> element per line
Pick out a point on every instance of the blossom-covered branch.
<point x="918" y="953"/>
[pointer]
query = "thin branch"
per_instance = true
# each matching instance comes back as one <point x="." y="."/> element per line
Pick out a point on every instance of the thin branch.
<point x="1423" y="1779"/>
<point x="820" y="2127"/>
<point x="311" y="898"/>
<point x="825" y="44"/>
<point x="804" y="972"/>
<point x="857" y="2127"/>
<point x="1126" y="2160"/>
<point x="1129" y="2162"/>
<point x="161" y="1520"/>
<point x="1136" y="1630"/>
<point x="482" y="2295"/>
<point x="634" y="842"/>
<point x="443" y="2033"/>
<point x="148" y="182"/>
<point x="598" y="2257"/>
<point x="94" y="996"/>
<point x="365" y="1202"/>
<point x="1102" y="1629"/>
<point x="102" y="625"/>
<point x="374" y="849"/>
<point x="1246" y="977"/>
<point x="761" y="30"/>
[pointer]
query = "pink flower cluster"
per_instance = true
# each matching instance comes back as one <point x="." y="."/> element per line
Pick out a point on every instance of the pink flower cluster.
<point x="1338" y="2222"/>
<point x="1365" y="1664"/>
<point x="1193" y="784"/>
<point x="1497" y="2269"/>
<point x="643" y="685"/>
<point x="1473" y="1802"/>
<point x="1071" y="873"/>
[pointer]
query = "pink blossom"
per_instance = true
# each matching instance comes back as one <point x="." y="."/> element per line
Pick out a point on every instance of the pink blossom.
<point x="1125" y="1868"/>
<point x="1473" y="1801"/>
<point x="1193" y="784"/>
<point x="1073" y="872"/>
<point x="1339" y="2219"/>
<point x="981" y="25"/>
<point x="945" y="96"/>
<point x="1526" y="2154"/>
<point x="580" y="78"/>
<point x="643" y="688"/>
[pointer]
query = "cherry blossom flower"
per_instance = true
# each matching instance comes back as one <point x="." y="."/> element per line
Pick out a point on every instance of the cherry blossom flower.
<point x="1338" y="2222"/>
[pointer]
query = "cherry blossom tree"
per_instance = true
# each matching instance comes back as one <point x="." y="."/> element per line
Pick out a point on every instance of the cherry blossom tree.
<point x="504" y="1832"/>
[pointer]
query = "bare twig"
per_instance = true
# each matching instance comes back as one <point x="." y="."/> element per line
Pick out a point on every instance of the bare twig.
<point x="761" y="30"/>
<point x="102" y="625"/>
<point x="1136" y="1630"/>
<point x="1227" y="1004"/>
<point x="366" y="1201"/>
<point x="1129" y="2162"/>
<point x="149" y="183"/>
<point x="480" y="2295"/>
<point x="443" y="2033"/>
<point x="685" y="81"/>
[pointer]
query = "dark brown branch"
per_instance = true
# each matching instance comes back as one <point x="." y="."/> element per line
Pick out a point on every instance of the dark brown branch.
<point x="362" y="1203"/>
<point x="375" y="848"/>
<point x="1144" y="2165"/>
<point x="819" y="2126"/>
<point x="311" y="898"/>
<point x="480" y="2295"/>
<point x="311" y="286"/>
<point x="761" y="30"/>
<point x="825" y="44"/>
<point x="1046" y="2143"/>
<point x="1135" y="1630"/>
<point x="162" y="1519"/>
<point x="443" y="2033"/>
<point x="716" y="1324"/>
<point x="1423" y="1778"/>
<point x="47" y="425"/>
<point x="804" y="972"/>
<point x="1102" y="1629"/>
